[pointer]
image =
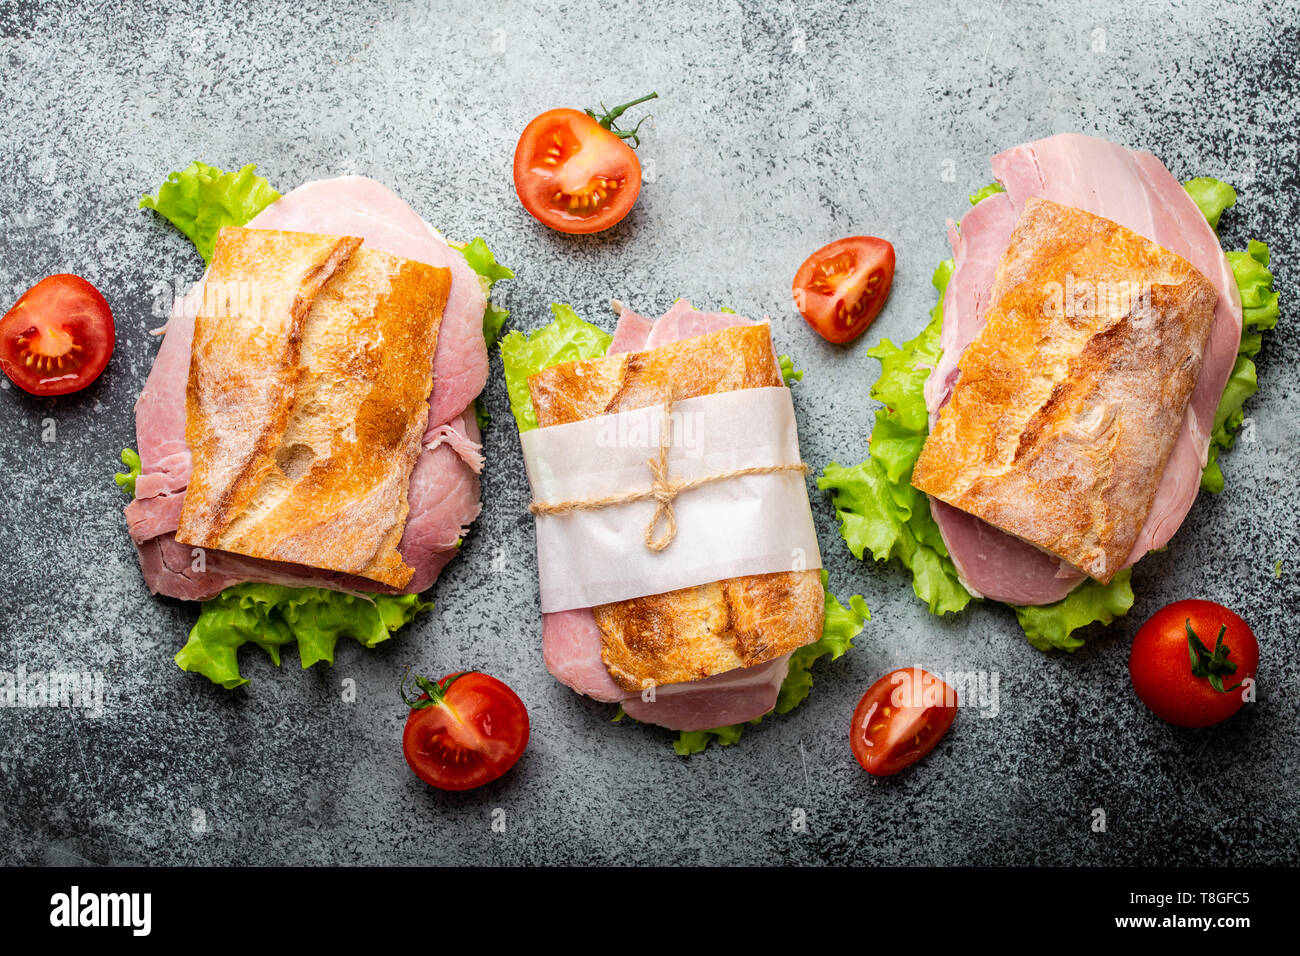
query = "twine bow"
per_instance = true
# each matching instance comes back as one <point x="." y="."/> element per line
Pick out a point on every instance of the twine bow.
<point x="663" y="491"/>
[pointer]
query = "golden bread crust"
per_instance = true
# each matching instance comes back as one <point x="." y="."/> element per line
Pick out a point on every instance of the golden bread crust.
<point x="1070" y="399"/>
<point x="693" y="633"/>
<point x="327" y="477"/>
<point x="733" y="358"/>
<point x="243" y="364"/>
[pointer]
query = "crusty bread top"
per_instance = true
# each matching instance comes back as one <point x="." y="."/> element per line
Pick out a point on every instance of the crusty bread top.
<point x="310" y="375"/>
<point x="1070" y="399"/>
<point x="737" y="357"/>
<point x="691" y="633"/>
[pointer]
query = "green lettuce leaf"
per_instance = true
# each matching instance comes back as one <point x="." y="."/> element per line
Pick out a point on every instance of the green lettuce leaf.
<point x="1052" y="626"/>
<point x="130" y="458"/>
<point x="1259" y="313"/>
<point x="1211" y="197"/>
<point x="1259" y="307"/>
<point x="840" y="626"/>
<point x="1259" y="303"/>
<point x="989" y="190"/>
<point x="789" y="374"/>
<point x="566" y="338"/>
<point x="877" y="507"/>
<point x="272" y="616"/>
<point x="490" y="272"/>
<point x="200" y="199"/>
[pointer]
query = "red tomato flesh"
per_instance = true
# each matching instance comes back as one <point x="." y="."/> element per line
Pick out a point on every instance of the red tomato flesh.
<point x="574" y="175"/>
<point x="58" y="337"/>
<point x="900" y="719"/>
<point x="1161" y="663"/>
<point x="841" y="288"/>
<point x="473" y="736"/>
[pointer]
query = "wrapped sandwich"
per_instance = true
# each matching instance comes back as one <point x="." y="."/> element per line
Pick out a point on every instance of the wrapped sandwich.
<point x="1085" y="366"/>
<point x="308" y="446"/>
<point x="679" y="570"/>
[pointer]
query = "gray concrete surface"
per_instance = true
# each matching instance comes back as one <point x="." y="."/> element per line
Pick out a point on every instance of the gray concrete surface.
<point x="780" y="126"/>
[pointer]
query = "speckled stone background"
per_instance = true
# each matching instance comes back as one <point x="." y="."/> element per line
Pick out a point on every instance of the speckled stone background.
<point x="780" y="126"/>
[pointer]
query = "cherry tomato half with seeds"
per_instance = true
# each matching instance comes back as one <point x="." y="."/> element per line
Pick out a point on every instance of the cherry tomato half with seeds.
<point x="575" y="172"/>
<point x="841" y="288"/>
<point x="463" y="731"/>
<point x="1190" y="663"/>
<point x="900" y="719"/>
<point x="58" y="337"/>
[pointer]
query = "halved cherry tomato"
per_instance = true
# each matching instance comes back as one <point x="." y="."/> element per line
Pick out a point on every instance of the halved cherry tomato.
<point x="900" y="719"/>
<point x="464" y="731"/>
<point x="574" y="172"/>
<point x="1190" y="662"/>
<point x="841" y="288"/>
<point x="58" y="336"/>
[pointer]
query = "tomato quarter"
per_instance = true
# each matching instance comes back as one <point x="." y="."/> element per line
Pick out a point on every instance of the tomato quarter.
<point x="1190" y="660"/>
<point x="900" y="719"/>
<point x="841" y="288"/>
<point x="574" y="172"/>
<point x="58" y="336"/>
<point x="464" y="731"/>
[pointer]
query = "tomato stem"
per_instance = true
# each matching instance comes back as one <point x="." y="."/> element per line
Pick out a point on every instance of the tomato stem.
<point x="1211" y="665"/>
<point x="433" y="691"/>
<point x="607" y="117"/>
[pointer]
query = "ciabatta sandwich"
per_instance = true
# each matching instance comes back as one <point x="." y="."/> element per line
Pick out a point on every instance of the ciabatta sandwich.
<point x="309" y="422"/>
<point x="715" y="654"/>
<point x="1084" y="368"/>
<point x="1066" y="408"/>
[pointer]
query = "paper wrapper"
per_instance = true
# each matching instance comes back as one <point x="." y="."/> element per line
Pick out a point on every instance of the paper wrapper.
<point x="755" y="524"/>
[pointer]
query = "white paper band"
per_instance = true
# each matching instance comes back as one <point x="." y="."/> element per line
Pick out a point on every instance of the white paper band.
<point x="754" y="524"/>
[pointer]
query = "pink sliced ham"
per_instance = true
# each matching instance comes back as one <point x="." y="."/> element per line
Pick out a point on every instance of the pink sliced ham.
<point x="1000" y="566"/>
<point x="571" y="642"/>
<point x="717" y="701"/>
<point x="630" y="333"/>
<point x="176" y="570"/>
<point x="444" y="488"/>
<point x="571" y="650"/>
<point x="683" y="322"/>
<point x="1134" y="189"/>
<point x="456" y="435"/>
<point x="977" y="249"/>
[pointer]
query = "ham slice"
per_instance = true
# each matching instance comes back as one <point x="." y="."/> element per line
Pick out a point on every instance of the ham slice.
<point x="999" y="566"/>
<point x="571" y="641"/>
<point x="1134" y="189"/>
<point x="630" y="333"/>
<point x="977" y="249"/>
<point x="176" y="570"/>
<point x="717" y="701"/>
<point x="683" y="322"/>
<point x="571" y="650"/>
<point x="444" y="488"/>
